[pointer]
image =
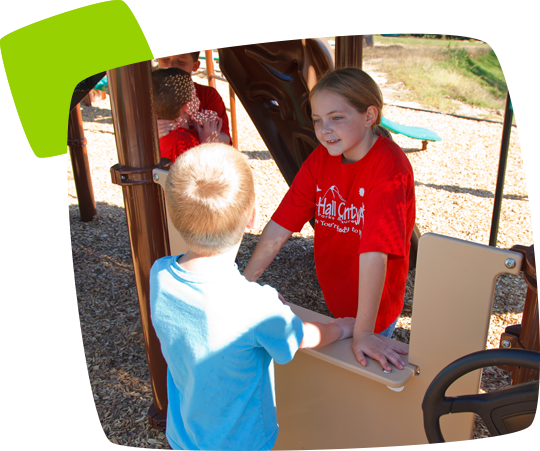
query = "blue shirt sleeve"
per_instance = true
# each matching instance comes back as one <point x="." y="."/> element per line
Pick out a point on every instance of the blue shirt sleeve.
<point x="280" y="333"/>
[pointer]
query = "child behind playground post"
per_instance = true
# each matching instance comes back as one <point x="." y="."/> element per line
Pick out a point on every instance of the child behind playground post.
<point x="210" y="115"/>
<point x="359" y="186"/>
<point x="219" y="333"/>
<point x="173" y="90"/>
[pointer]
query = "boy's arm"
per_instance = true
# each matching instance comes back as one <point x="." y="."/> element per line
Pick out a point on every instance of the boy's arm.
<point x="270" y="242"/>
<point x="223" y="138"/>
<point x="372" y="273"/>
<point x="214" y="102"/>
<point x="210" y="132"/>
<point x="317" y="335"/>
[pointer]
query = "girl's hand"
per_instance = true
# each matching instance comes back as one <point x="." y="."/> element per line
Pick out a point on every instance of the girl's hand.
<point x="368" y="343"/>
<point x="165" y="126"/>
<point x="209" y="131"/>
<point x="347" y="326"/>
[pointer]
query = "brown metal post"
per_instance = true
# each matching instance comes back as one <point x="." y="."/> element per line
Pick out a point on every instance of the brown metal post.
<point x="210" y="68"/>
<point x="234" y="126"/>
<point x="88" y="99"/>
<point x="138" y="152"/>
<point x="348" y="51"/>
<point x="525" y="335"/>
<point x="81" y="168"/>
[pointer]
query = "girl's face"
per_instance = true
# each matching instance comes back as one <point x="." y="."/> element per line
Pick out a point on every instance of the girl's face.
<point x="341" y="128"/>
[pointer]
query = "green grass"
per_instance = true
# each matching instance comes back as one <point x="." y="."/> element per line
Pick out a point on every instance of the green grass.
<point x="410" y="40"/>
<point x="438" y="72"/>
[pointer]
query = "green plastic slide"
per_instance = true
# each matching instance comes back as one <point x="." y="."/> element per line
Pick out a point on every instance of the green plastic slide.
<point x="412" y="132"/>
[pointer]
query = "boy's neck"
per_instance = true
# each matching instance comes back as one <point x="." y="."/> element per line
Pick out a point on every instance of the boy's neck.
<point x="194" y="262"/>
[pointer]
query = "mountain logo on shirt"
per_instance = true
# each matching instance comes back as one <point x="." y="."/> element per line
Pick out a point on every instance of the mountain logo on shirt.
<point x="333" y="206"/>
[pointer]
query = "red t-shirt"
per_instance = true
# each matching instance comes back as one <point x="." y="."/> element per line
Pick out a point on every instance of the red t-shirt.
<point x="211" y="100"/>
<point x="177" y="142"/>
<point x="367" y="206"/>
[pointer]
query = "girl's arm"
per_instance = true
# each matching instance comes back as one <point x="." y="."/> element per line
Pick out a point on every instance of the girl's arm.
<point x="372" y="273"/>
<point x="270" y="242"/>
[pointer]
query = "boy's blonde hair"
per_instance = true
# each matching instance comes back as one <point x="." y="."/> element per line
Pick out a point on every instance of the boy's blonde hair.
<point x="210" y="197"/>
<point x="357" y="88"/>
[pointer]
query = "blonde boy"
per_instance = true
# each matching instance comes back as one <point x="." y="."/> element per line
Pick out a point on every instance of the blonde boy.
<point x="220" y="333"/>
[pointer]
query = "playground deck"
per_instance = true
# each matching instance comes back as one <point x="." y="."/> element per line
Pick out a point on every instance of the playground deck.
<point x="455" y="183"/>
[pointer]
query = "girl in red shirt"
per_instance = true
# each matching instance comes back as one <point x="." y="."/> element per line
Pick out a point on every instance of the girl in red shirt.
<point x="359" y="185"/>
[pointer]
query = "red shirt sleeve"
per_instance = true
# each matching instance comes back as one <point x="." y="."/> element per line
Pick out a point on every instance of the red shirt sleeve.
<point x="388" y="207"/>
<point x="177" y="142"/>
<point x="298" y="205"/>
<point x="187" y="142"/>
<point x="211" y="100"/>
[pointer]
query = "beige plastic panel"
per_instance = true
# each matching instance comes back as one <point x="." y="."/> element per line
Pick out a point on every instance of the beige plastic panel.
<point x="326" y="404"/>
<point x="176" y="242"/>
<point x="340" y="353"/>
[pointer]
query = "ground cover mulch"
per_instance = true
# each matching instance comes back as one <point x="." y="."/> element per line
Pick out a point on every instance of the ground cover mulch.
<point x="455" y="184"/>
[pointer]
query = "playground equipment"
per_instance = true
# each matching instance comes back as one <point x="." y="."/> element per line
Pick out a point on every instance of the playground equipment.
<point x="325" y="398"/>
<point x="412" y="132"/>
<point x="504" y="411"/>
<point x="81" y="168"/>
<point x="526" y="334"/>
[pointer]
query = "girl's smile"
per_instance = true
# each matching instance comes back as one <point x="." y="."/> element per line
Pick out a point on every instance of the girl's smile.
<point x="341" y="128"/>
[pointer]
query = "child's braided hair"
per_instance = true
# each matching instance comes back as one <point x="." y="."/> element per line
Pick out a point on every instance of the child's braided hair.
<point x="173" y="88"/>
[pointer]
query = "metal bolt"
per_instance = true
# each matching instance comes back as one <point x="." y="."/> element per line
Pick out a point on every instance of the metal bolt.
<point x="510" y="263"/>
<point x="123" y="177"/>
<point x="386" y="371"/>
<point x="156" y="177"/>
<point x="506" y="344"/>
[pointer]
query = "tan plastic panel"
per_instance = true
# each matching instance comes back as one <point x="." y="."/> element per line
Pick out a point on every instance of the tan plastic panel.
<point x="340" y="353"/>
<point x="177" y="244"/>
<point x="323" y="404"/>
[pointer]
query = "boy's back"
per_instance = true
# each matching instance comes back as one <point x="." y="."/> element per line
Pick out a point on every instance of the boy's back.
<point x="218" y="334"/>
<point x="218" y="331"/>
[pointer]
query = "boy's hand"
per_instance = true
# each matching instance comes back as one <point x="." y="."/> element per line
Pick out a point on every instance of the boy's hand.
<point x="368" y="343"/>
<point x="165" y="126"/>
<point x="347" y="326"/>
<point x="209" y="131"/>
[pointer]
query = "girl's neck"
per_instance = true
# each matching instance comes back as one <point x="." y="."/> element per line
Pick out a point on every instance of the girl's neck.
<point x="357" y="154"/>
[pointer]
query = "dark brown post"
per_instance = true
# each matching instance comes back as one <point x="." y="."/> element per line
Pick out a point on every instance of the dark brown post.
<point x="526" y="334"/>
<point x="501" y="173"/>
<point x="348" y="51"/>
<point x="138" y="153"/>
<point x="234" y="126"/>
<point x="88" y="99"/>
<point x="81" y="168"/>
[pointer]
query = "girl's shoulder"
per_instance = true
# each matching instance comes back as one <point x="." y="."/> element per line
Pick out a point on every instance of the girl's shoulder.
<point x="389" y="152"/>
<point x="318" y="157"/>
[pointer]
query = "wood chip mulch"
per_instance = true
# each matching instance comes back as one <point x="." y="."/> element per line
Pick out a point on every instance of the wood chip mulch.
<point x="455" y="184"/>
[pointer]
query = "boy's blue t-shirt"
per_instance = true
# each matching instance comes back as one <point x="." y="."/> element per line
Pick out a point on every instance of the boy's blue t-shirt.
<point x="218" y="335"/>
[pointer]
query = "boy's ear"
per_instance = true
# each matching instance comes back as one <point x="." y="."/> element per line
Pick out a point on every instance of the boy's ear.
<point x="252" y="222"/>
<point x="196" y="65"/>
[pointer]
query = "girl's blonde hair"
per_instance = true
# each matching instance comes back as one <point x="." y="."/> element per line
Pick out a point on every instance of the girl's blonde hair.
<point x="357" y="88"/>
<point x="210" y="197"/>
